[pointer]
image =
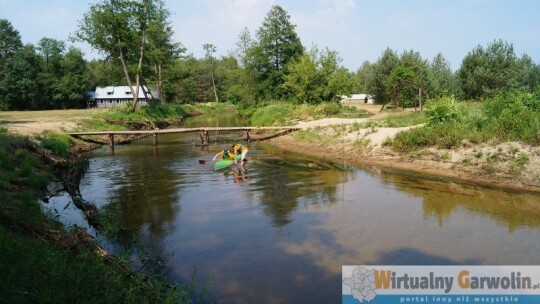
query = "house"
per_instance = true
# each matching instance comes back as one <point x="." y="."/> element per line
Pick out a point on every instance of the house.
<point x="110" y="97"/>
<point x="358" y="98"/>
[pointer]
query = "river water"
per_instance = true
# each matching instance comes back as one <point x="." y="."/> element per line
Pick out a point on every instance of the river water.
<point x="280" y="230"/>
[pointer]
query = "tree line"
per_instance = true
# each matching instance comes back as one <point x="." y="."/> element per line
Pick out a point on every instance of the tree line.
<point x="135" y="38"/>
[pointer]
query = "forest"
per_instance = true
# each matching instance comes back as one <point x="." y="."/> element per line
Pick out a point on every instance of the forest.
<point x="135" y="40"/>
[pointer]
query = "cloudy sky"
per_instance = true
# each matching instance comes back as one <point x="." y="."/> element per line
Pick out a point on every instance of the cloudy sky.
<point x="358" y="30"/>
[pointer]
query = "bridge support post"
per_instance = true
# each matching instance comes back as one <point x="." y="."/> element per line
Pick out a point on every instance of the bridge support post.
<point x="111" y="143"/>
<point x="155" y="139"/>
<point x="247" y="136"/>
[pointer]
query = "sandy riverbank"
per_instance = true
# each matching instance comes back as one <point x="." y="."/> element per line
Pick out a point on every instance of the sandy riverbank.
<point x="494" y="165"/>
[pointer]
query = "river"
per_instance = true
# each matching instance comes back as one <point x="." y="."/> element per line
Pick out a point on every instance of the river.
<point x="280" y="230"/>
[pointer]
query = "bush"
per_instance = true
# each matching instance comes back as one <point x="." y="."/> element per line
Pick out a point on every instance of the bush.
<point x="441" y="110"/>
<point x="514" y="116"/>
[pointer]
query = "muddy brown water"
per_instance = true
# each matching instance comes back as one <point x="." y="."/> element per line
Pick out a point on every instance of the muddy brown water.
<point x="279" y="230"/>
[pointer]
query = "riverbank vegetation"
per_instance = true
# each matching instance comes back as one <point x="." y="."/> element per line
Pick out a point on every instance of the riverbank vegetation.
<point x="41" y="261"/>
<point x="512" y="116"/>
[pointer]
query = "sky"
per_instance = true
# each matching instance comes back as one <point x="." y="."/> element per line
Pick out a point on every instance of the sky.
<point x="358" y="30"/>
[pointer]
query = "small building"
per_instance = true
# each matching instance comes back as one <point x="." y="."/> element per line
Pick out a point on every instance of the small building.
<point x="110" y="97"/>
<point x="358" y="98"/>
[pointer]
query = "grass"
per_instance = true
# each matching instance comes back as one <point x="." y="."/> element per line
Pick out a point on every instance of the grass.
<point x="404" y="120"/>
<point x="282" y="113"/>
<point x="56" y="142"/>
<point x="40" y="261"/>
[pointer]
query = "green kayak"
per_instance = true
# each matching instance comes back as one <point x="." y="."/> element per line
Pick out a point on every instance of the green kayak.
<point x="225" y="163"/>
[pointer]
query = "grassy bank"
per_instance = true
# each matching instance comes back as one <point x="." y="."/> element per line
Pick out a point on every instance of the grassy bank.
<point x="282" y="114"/>
<point x="122" y="118"/>
<point x="513" y="116"/>
<point x="43" y="263"/>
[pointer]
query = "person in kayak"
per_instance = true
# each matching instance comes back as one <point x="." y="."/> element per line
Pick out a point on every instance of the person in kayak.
<point x="226" y="154"/>
<point x="239" y="148"/>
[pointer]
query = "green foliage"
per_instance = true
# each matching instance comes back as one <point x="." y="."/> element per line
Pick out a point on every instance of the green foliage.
<point x="277" y="45"/>
<point x="381" y="71"/>
<point x="441" y="110"/>
<point x="507" y="117"/>
<point x="514" y="116"/>
<point x="441" y="79"/>
<point x="57" y="143"/>
<point x="317" y="77"/>
<point x="19" y="85"/>
<point x="400" y="80"/>
<point x="485" y="72"/>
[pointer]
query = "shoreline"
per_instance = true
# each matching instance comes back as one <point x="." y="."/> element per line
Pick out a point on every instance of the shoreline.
<point x="383" y="157"/>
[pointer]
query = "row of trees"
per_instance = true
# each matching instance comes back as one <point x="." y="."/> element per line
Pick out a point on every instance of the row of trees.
<point x="41" y="76"/>
<point x="484" y="72"/>
<point x="136" y="39"/>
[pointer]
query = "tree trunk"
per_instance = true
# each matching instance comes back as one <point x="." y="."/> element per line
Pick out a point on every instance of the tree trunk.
<point x="161" y="97"/>
<point x="124" y="67"/>
<point x="141" y="55"/>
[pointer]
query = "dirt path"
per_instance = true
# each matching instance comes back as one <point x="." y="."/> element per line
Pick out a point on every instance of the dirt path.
<point x="34" y="122"/>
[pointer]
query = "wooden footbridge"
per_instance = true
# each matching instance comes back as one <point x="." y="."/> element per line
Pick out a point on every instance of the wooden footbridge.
<point x="203" y="133"/>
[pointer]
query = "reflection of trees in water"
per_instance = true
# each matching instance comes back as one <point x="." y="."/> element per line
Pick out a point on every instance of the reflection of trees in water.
<point x="144" y="203"/>
<point x="284" y="184"/>
<point x="442" y="197"/>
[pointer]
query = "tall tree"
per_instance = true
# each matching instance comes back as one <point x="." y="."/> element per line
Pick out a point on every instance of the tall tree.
<point x="10" y="41"/>
<point x="277" y="45"/>
<point x="52" y="53"/>
<point x="118" y="28"/>
<point x="209" y="50"/>
<point x="72" y="85"/>
<point x="19" y="85"/>
<point x="161" y="47"/>
<point x="381" y="71"/>
<point x="486" y="72"/>
<point x="441" y="79"/>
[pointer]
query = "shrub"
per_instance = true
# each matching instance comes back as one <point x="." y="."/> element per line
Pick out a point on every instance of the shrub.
<point x="441" y="110"/>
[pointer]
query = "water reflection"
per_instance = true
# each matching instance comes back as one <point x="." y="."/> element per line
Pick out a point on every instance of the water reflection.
<point x="279" y="229"/>
<point x="442" y="197"/>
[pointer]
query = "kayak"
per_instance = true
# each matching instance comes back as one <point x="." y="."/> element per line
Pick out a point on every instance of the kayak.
<point x="225" y="163"/>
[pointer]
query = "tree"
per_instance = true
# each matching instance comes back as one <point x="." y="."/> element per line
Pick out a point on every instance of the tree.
<point x="400" y="80"/>
<point x="364" y="77"/>
<point x="441" y="79"/>
<point x="52" y="53"/>
<point x="243" y="45"/>
<point x="10" y="41"/>
<point x="72" y="85"/>
<point x="277" y="46"/>
<point x="316" y="77"/>
<point x="486" y="72"/>
<point x="529" y="78"/>
<point x="118" y="28"/>
<point x="20" y="88"/>
<point x="209" y="50"/>
<point x="161" y="48"/>
<point x="381" y="71"/>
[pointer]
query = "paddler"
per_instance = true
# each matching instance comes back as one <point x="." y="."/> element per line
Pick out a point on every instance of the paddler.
<point x="226" y="154"/>
<point x="240" y="149"/>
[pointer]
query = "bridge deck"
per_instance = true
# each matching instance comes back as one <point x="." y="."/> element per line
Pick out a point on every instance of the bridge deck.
<point x="182" y="130"/>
